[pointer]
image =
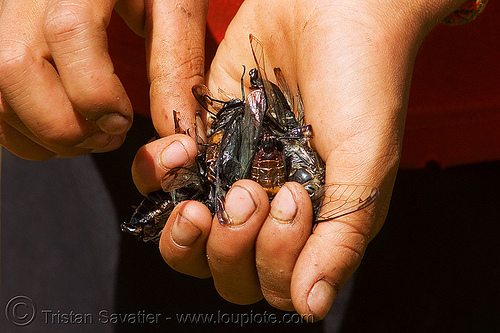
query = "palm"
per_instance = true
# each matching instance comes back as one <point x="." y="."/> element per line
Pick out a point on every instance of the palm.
<point x="354" y="95"/>
<point x="353" y="62"/>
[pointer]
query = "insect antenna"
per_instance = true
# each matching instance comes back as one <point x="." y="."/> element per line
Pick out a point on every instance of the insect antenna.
<point x="212" y="99"/>
<point x="205" y="99"/>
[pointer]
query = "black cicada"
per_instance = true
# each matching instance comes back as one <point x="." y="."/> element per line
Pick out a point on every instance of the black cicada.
<point x="285" y="133"/>
<point x="179" y="184"/>
<point x="233" y="136"/>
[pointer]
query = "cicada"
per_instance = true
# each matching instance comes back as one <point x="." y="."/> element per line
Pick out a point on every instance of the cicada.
<point x="188" y="182"/>
<point x="286" y="131"/>
<point x="233" y="135"/>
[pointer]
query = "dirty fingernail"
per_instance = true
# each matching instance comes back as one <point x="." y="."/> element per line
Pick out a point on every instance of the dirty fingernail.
<point x="114" y="143"/>
<point x="283" y="207"/>
<point x="320" y="298"/>
<point x="113" y="123"/>
<point x="184" y="232"/>
<point x="96" y="140"/>
<point x="174" y="155"/>
<point x="239" y="205"/>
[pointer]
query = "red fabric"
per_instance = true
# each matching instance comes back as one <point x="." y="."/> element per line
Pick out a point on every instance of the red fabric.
<point x="128" y="53"/>
<point x="220" y="14"/>
<point x="454" y="111"/>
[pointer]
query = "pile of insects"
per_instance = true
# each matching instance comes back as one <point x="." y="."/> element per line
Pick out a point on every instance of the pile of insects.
<point x="263" y="137"/>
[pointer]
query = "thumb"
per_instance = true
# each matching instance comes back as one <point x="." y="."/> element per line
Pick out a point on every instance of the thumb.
<point x="175" y="43"/>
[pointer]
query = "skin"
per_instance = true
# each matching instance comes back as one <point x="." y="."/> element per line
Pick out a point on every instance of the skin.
<point x="59" y="94"/>
<point x="352" y="61"/>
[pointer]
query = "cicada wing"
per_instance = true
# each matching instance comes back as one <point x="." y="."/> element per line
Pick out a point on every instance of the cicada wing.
<point x="206" y="99"/>
<point x="258" y="56"/>
<point x="283" y="85"/>
<point x="278" y="108"/>
<point x="299" y="111"/>
<point x="253" y="117"/>
<point x="227" y="168"/>
<point x="179" y="177"/>
<point x="224" y="96"/>
<point x="343" y="199"/>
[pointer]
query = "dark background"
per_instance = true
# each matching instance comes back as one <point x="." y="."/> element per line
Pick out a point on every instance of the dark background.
<point x="434" y="267"/>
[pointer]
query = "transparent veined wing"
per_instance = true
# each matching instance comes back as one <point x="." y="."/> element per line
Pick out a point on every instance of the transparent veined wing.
<point x="343" y="199"/>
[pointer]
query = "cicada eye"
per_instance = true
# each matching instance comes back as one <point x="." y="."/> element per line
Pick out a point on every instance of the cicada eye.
<point x="301" y="176"/>
<point x="254" y="74"/>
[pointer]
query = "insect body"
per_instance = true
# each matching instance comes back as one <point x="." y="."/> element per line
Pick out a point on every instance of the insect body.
<point x="234" y="133"/>
<point x="212" y="153"/>
<point x="268" y="166"/>
<point x="178" y="184"/>
<point x="150" y="217"/>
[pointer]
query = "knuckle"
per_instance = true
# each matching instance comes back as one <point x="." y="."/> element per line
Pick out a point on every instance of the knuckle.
<point x="345" y="244"/>
<point x="99" y="95"/>
<point x="350" y="250"/>
<point x="190" y="69"/>
<point x="349" y="257"/>
<point x="193" y="66"/>
<point x="14" y="58"/>
<point x="65" y="20"/>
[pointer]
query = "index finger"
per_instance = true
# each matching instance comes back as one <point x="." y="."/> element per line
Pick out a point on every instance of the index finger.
<point x="175" y="37"/>
<point x="76" y="36"/>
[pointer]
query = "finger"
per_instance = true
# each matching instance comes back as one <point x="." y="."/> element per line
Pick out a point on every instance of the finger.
<point x="280" y="241"/>
<point x="156" y="158"/>
<point x="99" y="142"/>
<point x="76" y="36"/>
<point x="331" y="255"/>
<point x="184" y="237"/>
<point x="231" y="249"/>
<point x="132" y="12"/>
<point x="175" y="33"/>
<point x="18" y="144"/>
<point x="32" y="88"/>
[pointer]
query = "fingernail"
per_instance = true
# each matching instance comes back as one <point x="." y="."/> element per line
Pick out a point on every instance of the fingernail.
<point x="114" y="143"/>
<point x="113" y="123"/>
<point x="239" y="205"/>
<point x="172" y="154"/>
<point x="97" y="140"/>
<point x="283" y="207"/>
<point x="184" y="232"/>
<point x="320" y="298"/>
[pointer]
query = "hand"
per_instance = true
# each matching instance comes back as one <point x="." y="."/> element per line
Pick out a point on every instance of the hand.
<point x="59" y="94"/>
<point x="353" y="63"/>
